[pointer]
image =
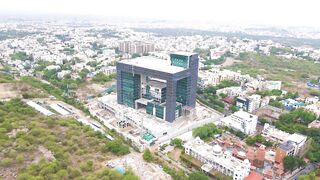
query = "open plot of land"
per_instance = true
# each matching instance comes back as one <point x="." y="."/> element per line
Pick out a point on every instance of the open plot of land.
<point x="16" y="89"/>
<point x="92" y="89"/>
<point x="293" y="72"/>
<point x="229" y="61"/>
<point x="7" y="91"/>
<point x="175" y="154"/>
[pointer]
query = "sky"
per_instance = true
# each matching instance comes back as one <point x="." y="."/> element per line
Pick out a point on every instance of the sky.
<point x="263" y="12"/>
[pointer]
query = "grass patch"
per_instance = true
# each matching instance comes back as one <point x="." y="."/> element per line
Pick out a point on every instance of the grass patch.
<point x="277" y="68"/>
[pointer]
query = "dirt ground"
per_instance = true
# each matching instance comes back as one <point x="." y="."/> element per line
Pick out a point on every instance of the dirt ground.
<point x="8" y="91"/>
<point x="299" y="87"/>
<point x="92" y="89"/>
<point x="229" y="61"/>
<point x="134" y="161"/>
<point x="175" y="154"/>
<point x="14" y="90"/>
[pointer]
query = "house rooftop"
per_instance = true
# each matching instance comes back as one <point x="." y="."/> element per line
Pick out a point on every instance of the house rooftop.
<point x="254" y="176"/>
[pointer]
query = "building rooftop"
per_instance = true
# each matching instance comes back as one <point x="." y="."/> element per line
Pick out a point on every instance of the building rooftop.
<point x="244" y="115"/>
<point x="39" y="108"/>
<point x="272" y="132"/>
<point x="287" y="146"/>
<point x="297" y="138"/>
<point x="215" y="154"/>
<point x="153" y="63"/>
<point x="183" y="53"/>
<point x="254" y="176"/>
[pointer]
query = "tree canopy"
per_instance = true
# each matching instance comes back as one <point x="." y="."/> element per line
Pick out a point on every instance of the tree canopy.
<point x="206" y="131"/>
<point x="290" y="163"/>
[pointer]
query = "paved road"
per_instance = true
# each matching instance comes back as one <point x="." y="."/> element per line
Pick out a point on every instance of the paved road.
<point x="304" y="171"/>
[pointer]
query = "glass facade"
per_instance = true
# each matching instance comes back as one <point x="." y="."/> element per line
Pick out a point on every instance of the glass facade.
<point x="163" y="94"/>
<point x="159" y="111"/>
<point x="183" y="90"/>
<point x="130" y="88"/>
<point x="149" y="108"/>
<point x="179" y="90"/>
<point x="178" y="111"/>
<point x="179" y="60"/>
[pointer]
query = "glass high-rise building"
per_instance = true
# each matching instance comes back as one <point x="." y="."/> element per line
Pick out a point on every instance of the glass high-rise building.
<point x="165" y="88"/>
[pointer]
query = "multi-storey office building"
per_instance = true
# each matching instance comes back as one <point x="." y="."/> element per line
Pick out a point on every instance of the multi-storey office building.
<point x="167" y="89"/>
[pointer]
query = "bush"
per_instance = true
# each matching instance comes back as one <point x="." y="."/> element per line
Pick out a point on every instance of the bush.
<point x="5" y="162"/>
<point x="73" y="172"/>
<point x="147" y="155"/>
<point x="176" y="142"/>
<point x="117" y="147"/>
<point x="258" y="139"/>
<point x="86" y="166"/>
<point x="197" y="176"/>
<point x="102" y="78"/>
<point x="20" y="158"/>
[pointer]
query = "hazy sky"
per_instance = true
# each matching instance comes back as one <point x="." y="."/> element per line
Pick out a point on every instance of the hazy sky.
<point x="269" y="12"/>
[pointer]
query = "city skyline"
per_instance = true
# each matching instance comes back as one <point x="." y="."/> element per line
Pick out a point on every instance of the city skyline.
<point x="248" y="12"/>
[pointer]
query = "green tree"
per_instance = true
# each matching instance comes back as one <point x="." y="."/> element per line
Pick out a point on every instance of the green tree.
<point x="258" y="139"/>
<point x="206" y="131"/>
<point x="117" y="147"/>
<point x="176" y="142"/>
<point x="290" y="163"/>
<point x="147" y="155"/>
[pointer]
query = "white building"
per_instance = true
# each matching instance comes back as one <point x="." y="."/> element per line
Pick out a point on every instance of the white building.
<point x="232" y="91"/>
<point x="241" y="121"/>
<point x="215" y="158"/>
<point x="311" y="100"/>
<point x="215" y="76"/>
<point x="250" y="103"/>
<point x="298" y="141"/>
<point x="315" y="108"/>
<point x="271" y="85"/>
<point x="254" y="102"/>
<point x="273" y="134"/>
<point x="109" y="70"/>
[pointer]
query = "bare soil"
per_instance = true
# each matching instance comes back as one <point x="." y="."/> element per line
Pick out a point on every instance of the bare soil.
<point x="175" y="154"/>
<point x="8" y="91"/>
<point x="229" y="61"/>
